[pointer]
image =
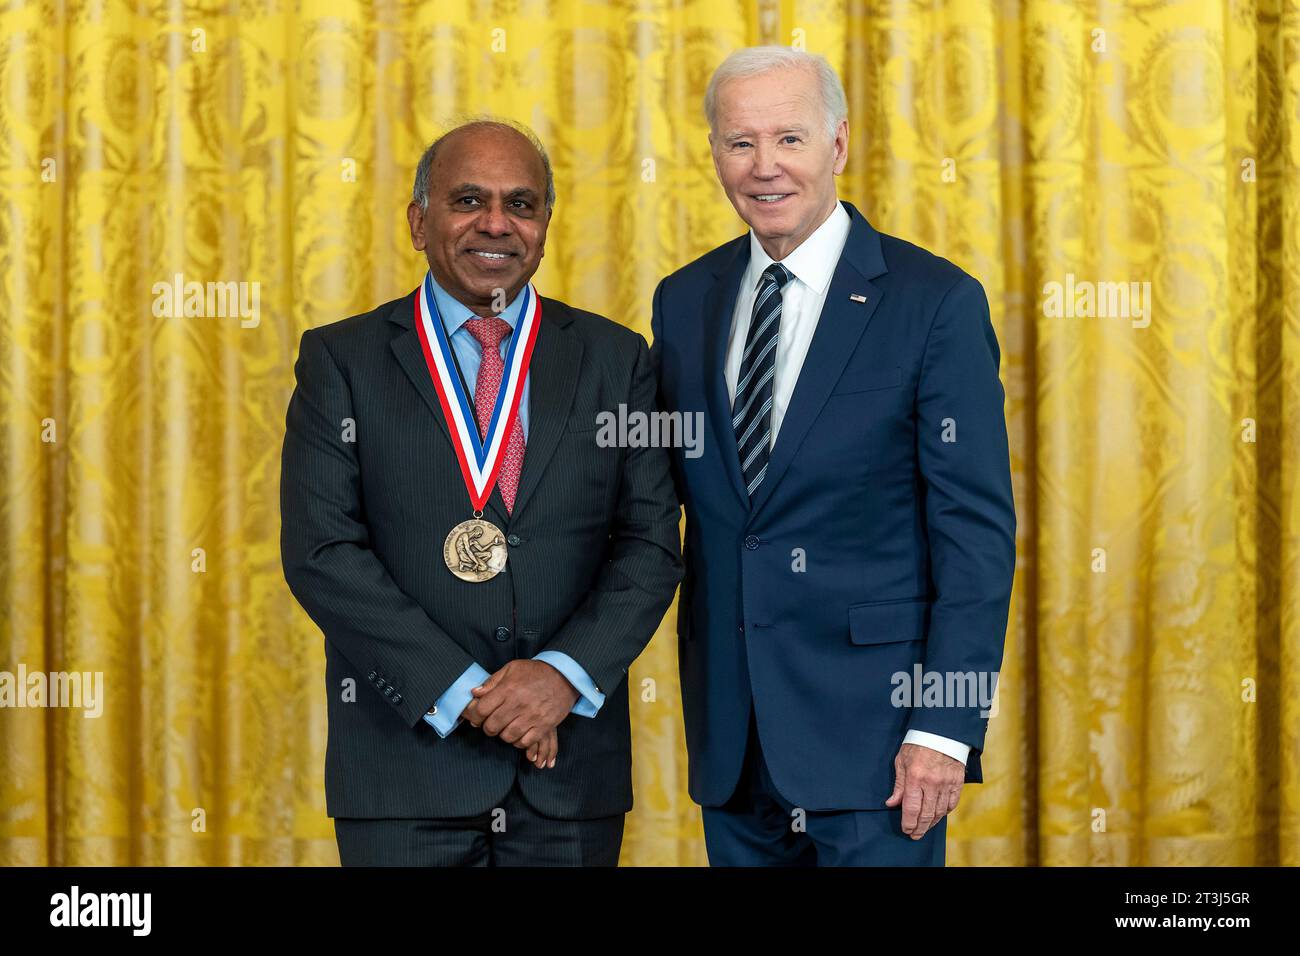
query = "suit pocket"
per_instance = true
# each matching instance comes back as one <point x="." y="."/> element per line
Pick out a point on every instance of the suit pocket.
<point x="888" y="622"/>
<point x="870" y="381"/>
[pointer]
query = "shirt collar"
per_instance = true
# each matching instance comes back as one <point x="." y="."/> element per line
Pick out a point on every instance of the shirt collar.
<point x="813" y="261"/>
<point x="455" y="313"/>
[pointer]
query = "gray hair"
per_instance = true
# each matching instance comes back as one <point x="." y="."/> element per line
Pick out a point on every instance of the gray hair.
<point x="755" y="60"/>
<point x="420" y="191"/>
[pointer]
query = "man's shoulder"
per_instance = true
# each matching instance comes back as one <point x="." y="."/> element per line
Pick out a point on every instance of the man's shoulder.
<point x="357" y="329"/>
<point x="919" y="267"/>
<point x="705" y="269"/>
<point x="592" y="327"/>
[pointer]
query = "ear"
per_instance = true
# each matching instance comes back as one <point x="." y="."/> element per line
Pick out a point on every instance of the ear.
<point x="415" y="218"/>
<point x="713" y="154"/>
<point x="841" y="146"/>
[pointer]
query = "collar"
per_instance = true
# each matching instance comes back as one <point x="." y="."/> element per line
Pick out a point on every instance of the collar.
<point x="813" y="261"/>
<point x="455" y="313"/>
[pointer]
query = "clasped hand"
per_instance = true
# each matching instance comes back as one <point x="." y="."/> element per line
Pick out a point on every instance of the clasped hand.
<point x="523" y="703"/>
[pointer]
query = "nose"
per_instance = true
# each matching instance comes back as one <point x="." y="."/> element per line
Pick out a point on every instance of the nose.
<point x="765" y="164"/>
<point x="493" y="221"/>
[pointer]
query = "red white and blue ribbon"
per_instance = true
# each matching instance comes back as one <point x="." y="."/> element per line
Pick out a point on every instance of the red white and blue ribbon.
<point x="480" y="459"/>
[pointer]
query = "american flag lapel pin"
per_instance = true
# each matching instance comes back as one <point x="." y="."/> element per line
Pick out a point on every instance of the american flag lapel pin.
<point x="854" y="297"/>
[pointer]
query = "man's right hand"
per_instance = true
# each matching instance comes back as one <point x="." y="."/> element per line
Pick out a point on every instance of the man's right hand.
<point x="541" y="747"/>
<point x="542" y="752"/>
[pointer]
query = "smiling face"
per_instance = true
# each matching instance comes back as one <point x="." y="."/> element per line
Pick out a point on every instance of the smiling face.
<point x="773" y="156"/>
<point x="485" y="227"/>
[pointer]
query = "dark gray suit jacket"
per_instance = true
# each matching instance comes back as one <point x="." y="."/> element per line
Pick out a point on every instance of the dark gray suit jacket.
<point x="593" y="564"/>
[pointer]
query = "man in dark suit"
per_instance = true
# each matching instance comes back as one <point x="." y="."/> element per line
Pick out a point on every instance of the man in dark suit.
<point x="850" y="522"/>
<point x="469" y="549"/>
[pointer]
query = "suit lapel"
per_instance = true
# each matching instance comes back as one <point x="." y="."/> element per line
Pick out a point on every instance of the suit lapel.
<point x="406" y="347"/>
<point x="839" y="329"/>
<point x="553" y="379"/>
<point x="719" y="304"/>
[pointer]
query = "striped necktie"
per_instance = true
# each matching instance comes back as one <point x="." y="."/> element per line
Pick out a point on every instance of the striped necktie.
<point x="752" y="410"/>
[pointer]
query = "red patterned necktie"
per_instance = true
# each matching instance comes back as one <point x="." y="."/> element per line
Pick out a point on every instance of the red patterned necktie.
<point x="489" y="333"/>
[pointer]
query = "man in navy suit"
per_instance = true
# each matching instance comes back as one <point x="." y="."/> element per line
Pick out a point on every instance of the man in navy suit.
<point x="850" y="536"/>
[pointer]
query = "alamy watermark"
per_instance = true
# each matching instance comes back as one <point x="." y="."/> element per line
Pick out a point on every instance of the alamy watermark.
<point x="130" y="910"/>
<point x="213" y="300"/>
<point x="922" y="688"/>
<point x="75" y="689"/>
<point x="638" y="429"/>
<point x="1104" y="300"/>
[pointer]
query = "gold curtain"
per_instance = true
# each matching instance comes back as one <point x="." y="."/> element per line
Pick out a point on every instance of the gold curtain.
<point x="1147" y="710"/>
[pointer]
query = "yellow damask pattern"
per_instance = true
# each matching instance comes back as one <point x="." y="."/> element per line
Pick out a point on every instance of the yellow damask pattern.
<point x="1147" y="711"/>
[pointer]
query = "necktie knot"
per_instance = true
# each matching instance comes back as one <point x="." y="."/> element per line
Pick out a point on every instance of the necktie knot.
<point x="778" y="274"/>
<point x="489" y="331"/>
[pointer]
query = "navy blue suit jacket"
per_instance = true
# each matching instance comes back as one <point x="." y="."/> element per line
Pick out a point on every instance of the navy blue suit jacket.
<point x="907" y="537"/>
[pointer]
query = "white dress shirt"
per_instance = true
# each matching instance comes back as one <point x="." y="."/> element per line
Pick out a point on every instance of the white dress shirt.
<point x="812" y="264"/>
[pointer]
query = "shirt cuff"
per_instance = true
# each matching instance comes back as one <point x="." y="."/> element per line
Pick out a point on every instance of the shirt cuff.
<point x="590" y="698"/>
<point x="444" y="716"/>
<point x="945" y="745"/>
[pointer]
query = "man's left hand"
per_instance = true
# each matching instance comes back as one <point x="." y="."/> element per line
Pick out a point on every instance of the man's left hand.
<point x="521" y="702"/>
<point x="928" y="784"/>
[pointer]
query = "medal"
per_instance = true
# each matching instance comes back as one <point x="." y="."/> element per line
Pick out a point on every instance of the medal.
<point x="475" y="550"/>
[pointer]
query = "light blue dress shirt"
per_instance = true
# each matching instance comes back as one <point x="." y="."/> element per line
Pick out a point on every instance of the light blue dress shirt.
<point x="469" y="354"/>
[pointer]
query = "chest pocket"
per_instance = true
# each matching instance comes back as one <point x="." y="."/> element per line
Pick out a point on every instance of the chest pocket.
<point x="869" y="381"/>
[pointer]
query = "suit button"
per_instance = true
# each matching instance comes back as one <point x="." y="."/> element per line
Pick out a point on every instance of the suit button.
<point x="371" y="676"/>
<point x="751" y="542"/>
<point x="503" y="633"/>
<point x="397" y="699"/>
<point x="514" y="540"/>
<point x="388" y="690"/>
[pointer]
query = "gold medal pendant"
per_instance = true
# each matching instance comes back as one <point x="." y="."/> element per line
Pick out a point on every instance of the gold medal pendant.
<point x="475" y="550"/>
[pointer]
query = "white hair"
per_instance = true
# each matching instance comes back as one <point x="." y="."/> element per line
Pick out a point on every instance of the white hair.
<point x="755" y="60"/>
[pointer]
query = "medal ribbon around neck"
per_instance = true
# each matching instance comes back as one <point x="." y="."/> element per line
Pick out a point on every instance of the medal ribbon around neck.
<point x="480" y="460"/>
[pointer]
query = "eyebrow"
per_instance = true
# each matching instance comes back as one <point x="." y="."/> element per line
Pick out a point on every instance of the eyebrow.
<point x="747" y="134"/>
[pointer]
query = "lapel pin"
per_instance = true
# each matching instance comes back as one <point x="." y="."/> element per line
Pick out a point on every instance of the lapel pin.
<point x="854" y="297"/>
